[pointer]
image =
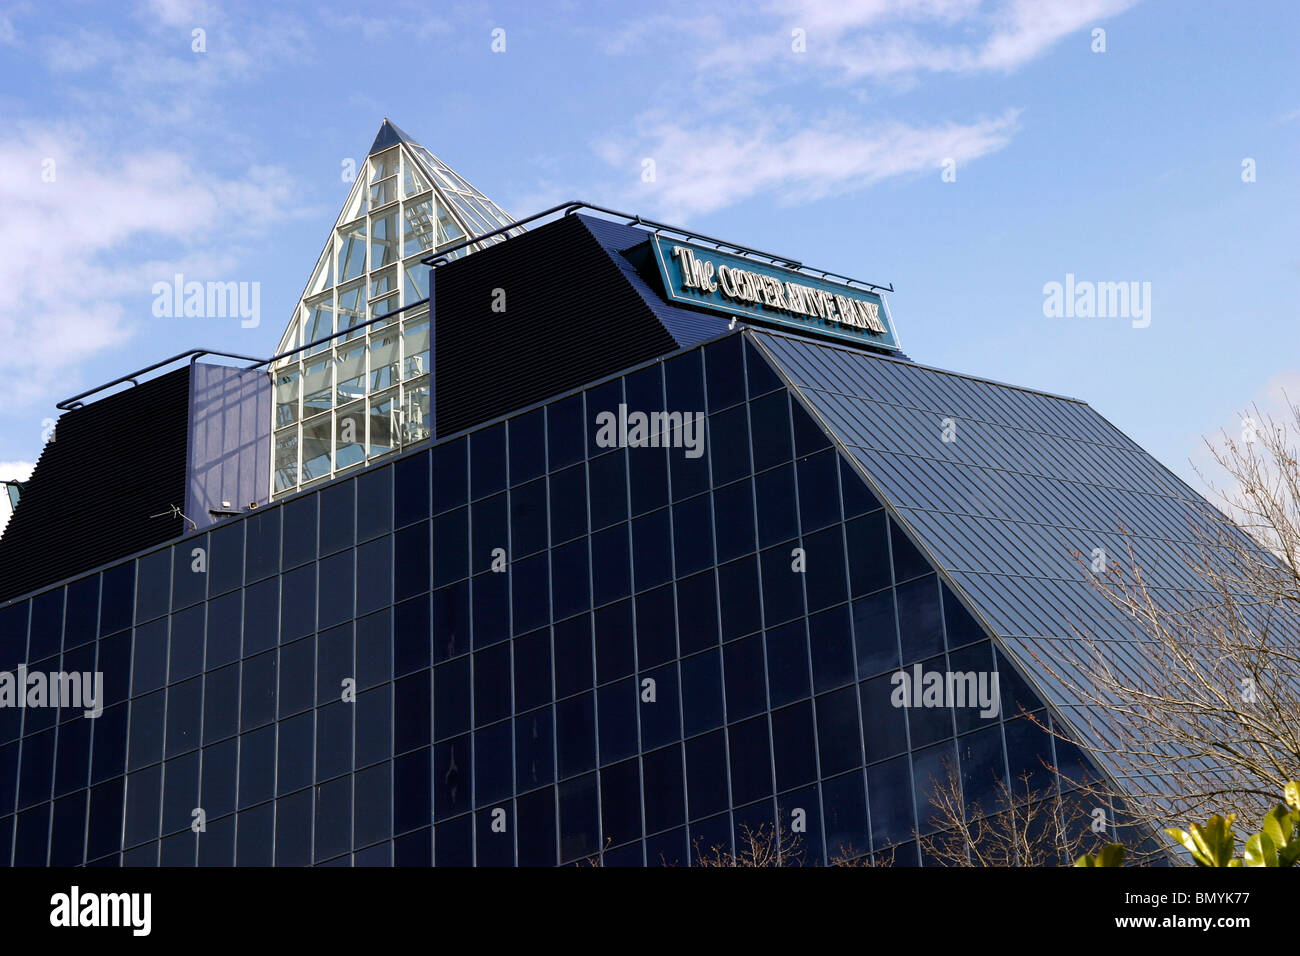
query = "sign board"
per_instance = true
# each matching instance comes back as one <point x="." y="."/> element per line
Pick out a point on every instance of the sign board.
<point x="713" y="279"/>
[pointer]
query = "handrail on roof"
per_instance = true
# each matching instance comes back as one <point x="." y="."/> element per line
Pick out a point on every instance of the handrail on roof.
<point x="441" y="258"/>
<point x="68" y="404"/>
<point x="569" y="208"/>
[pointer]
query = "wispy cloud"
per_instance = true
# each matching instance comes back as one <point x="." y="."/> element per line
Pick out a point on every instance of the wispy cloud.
<point x="698" y="170"/>
<point x="740" y="124"/>
<point x="79" y="226"/>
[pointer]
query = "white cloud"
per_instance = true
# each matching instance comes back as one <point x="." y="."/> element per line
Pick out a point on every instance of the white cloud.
<point x="734" y="129"/>
<point x="16" y="470"/>
<point x="698" y="170"/>
<point x="72" y="246"/>
<point x="878" y="39"/>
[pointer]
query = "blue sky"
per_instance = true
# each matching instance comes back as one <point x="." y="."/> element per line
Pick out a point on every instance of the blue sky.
<point x="126" y="156"/>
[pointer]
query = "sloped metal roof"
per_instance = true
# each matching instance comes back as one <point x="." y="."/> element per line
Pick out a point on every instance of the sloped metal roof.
<point x="1027" y="480"/>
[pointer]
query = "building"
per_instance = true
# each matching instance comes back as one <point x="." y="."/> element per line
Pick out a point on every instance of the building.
<point x="603" y="538"/>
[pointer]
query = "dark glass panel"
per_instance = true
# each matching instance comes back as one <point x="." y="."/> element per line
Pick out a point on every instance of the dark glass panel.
<point x="782" y="585"/>
<point x="920" y="622"/>
<point x="299" y="544"/>
<point x="573" y="656"/>
<point x="607" y="485"/>
<point x="535" y="749"/>
<point x="374" y="720"/>
<point x="770" y="423"/>
<point x="527" y="446"/>
<point x="529" y="590"/>
<point x="844" y="805"/>
<point x="374" y="649"/>
<point x="702" y="700"/>
<point x="491" y="614"/>
<point x="256" y="767"/>
<point x="412" y="712"/>
<point x="647" y="472"/>
<point x="579" y="818"/>
<point x="824" y="580"/>
<point x="451" y="698"/>
<point x="684" y="382"/>
<point x="564" y="432"/>
<point x="728" y="443"/>
<point x="738" y="595"/>
<point x="778" y="520"/>
<point x="616" y="705"/>
<point x="374" y="503"/>
<point x="893" y="820"/>
<point x="411" y="561"/>
<point x="338" y="517"/>
<point x="153" y="594"/>
<point x="451" y="544"/>
<point x="570" y="579"/>
<point x="117" y="598"/>
<point x="575" y="734"/>
<point x="697" y="612"/>
<point x="660" y="718"/>
<point x="532" y="654"/>
<point x="493" y="764"/>
<point x="620" y="790"/>
<point x="692" y="542"/>
<point x="611" y="564"/>
<point x="875" y="633"/>
<point x="615" y="641"/>
<point x="706" y="774"/>
<point x="184" y="716"/>
<point x="261" y="616"/>
<point x="568" y="491"/>
<point x="294" y="766"/>
<point x="489" y="524"/>
<point x="838" y="740"/>
<point x="884" y="726"/>
<point x="453" y="772"/>
<point x="450" y="475"/>
<point x="733" y="520"/>
<point x="411" y="635"/>
<point x="724" y="373"/>
<point x="491" y="684"/>
<point x="337" y="578"/>
<point x="908" y="562"/>
<point x="751" y="760"/>
<point x="487" y="461"/>
<point x="819" y="500"/>
<point x="762" y="378"/>
<point x="411" y="790"/>
<point x="656" y="638"/>
<point x="528" y="518"/>
<point x="793" y="745"/>
<point x="832" y="648"/>
<point x="261" y="544"/>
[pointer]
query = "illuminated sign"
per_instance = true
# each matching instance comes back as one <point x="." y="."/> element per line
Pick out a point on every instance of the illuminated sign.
<point x="697" y="275"/>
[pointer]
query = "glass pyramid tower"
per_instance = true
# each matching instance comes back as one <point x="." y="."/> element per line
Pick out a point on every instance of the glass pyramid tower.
<point x="349" y="396"/>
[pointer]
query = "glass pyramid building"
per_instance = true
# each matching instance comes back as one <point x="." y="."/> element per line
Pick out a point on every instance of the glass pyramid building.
<point x="356" y="391"/>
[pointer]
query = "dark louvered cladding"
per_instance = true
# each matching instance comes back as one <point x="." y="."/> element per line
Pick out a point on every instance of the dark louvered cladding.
<point x="111" y="466"/>
<point x="570" y="317"/>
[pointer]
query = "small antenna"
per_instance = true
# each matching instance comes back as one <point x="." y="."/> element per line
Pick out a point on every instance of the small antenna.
<point x="175" y="512"/>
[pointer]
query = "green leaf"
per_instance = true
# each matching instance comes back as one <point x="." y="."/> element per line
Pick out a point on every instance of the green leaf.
<point x="1291" y="794"/>
<point x="1260" y="851"/>
<point x="1112" y="854"/>
<point x="1211" y="844"/>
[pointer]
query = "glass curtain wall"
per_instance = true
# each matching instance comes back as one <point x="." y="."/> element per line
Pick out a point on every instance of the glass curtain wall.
<point x="365" y="393"/>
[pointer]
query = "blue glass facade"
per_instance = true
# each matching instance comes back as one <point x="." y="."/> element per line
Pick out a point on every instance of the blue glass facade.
<point x="516" y="647"/>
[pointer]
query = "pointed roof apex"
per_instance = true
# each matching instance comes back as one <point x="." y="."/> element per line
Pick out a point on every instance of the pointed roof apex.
<point x="390" y="134"/>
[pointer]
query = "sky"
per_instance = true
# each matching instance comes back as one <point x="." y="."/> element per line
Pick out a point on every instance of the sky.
<point x="970" y="153"/>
